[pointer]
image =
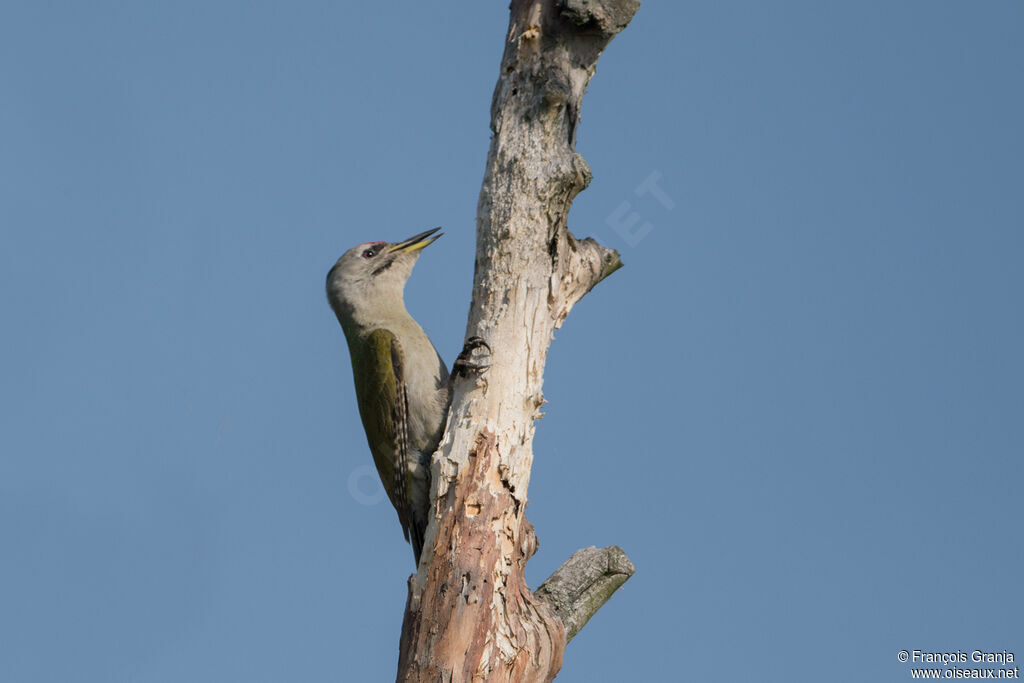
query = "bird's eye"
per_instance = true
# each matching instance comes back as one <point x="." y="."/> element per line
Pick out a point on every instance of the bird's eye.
<point x="370" y="253"/>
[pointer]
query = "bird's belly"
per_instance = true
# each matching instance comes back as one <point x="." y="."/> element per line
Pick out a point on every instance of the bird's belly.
<point x="427" y="413"/>
<point x="428" y="397"/>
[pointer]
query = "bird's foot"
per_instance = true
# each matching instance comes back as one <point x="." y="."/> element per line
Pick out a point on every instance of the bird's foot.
<point x="474" y="358"/>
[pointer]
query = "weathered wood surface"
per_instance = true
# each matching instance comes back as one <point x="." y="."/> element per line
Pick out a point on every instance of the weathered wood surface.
<point x="470" y="615"/>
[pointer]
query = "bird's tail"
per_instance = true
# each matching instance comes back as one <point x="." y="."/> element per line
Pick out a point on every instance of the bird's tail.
<point x="416" y="531"/>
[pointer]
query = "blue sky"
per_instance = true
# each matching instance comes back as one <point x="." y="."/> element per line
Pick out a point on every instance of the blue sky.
<point x="798" y="407"/>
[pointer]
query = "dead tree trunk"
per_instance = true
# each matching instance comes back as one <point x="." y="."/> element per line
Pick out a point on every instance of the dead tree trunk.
<point x="470" y="615"/>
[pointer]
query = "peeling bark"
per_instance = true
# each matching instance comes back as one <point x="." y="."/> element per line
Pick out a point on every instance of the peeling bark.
<point x="470" y="615"/>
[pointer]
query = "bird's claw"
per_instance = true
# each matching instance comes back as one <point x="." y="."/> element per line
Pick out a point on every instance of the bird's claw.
<point x="474" y="357"/>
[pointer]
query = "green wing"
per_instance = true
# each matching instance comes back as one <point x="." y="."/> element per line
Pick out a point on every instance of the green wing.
<point x="378" y="367"/>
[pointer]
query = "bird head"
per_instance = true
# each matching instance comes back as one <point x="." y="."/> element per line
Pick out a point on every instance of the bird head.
<point x="370" y="278"/>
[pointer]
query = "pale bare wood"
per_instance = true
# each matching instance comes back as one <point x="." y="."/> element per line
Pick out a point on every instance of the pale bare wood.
<point x="470" y="615"/>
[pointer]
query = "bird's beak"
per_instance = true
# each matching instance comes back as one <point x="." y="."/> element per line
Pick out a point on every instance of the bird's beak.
<point x="416" y="242"/>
